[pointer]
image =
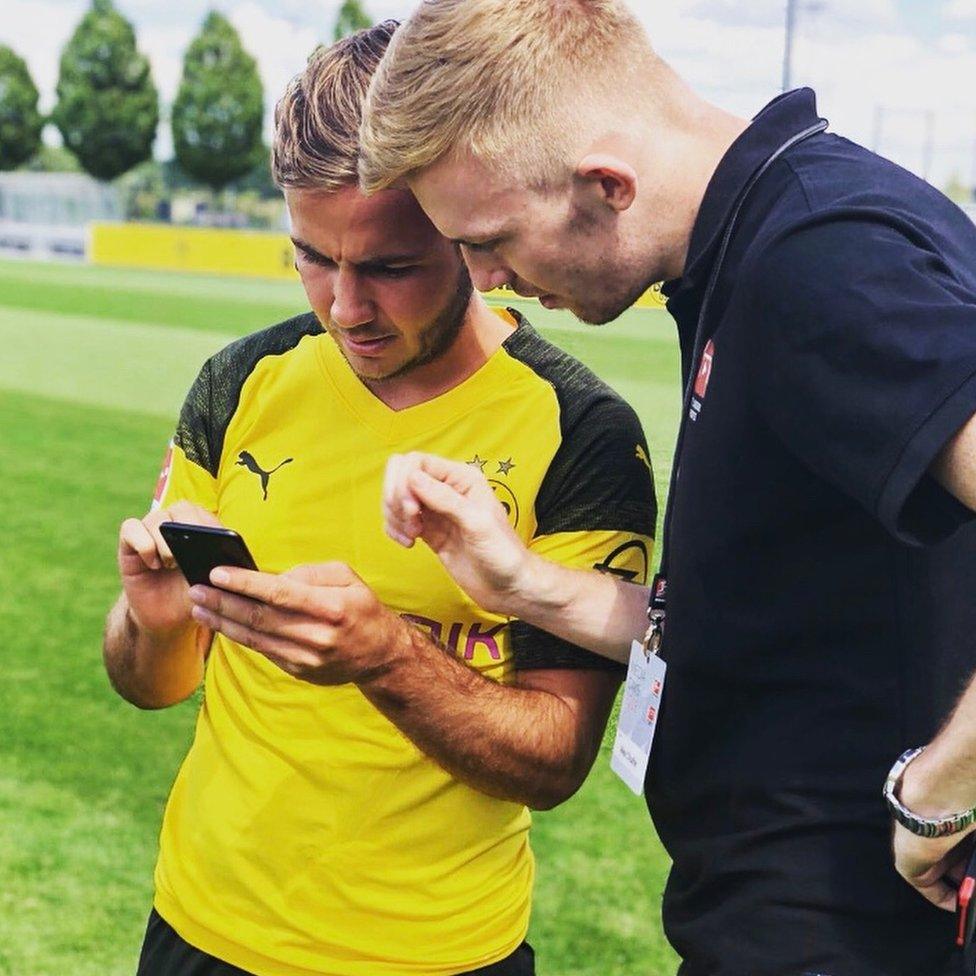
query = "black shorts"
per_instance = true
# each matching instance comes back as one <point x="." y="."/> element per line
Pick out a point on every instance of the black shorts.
<point x="164" y="953"/>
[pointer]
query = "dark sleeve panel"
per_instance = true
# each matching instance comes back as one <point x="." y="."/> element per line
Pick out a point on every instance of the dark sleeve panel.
<point x="213" y="399"/>
<point x="534" y="649"/>
<point x="865" y="362"/>
<point x="600" y="479"/>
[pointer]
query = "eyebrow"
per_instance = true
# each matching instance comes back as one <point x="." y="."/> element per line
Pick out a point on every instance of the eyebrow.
<point x="377" y="261"/>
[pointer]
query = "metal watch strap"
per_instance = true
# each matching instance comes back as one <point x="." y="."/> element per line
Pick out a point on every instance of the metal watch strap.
<point x="922" y="826"/>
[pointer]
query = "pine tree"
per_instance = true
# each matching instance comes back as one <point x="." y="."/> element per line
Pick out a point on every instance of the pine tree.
<point x="351" y="18"/>
<point x="20" y="121"/>
<point x="219" y="109"/>
<point x="108" y="107"/>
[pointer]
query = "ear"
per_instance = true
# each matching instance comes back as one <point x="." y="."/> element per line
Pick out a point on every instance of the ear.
<point x="614" y="180"/>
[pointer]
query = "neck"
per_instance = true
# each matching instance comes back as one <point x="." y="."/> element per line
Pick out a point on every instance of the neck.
<point x="480" y="335"/>
<point x="703" y="135"/>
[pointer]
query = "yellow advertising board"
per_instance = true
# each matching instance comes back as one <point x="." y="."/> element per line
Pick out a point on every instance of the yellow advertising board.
<point x="209" y="250"/>
<point x="196" y="249"/>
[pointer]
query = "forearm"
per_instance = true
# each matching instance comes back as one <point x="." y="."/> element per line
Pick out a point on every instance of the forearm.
<point x="955" y="467"/>
<point x="598" y="611"/>
<point x="514" y="743"/>
<point x="942" y="780"/>
<point x="151" y="670"/>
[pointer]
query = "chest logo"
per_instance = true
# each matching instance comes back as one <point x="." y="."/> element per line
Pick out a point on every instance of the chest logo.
<point x="246" y="460"/>
<point x="502" y="489"/>
<point x="701" y="380"/>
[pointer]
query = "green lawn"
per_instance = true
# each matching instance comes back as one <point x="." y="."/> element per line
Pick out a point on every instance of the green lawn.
<point x="93" y="368"/>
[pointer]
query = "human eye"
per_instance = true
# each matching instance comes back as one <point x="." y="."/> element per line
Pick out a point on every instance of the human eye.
<point x="319" y="260"/>
<point x="396" y="271"/>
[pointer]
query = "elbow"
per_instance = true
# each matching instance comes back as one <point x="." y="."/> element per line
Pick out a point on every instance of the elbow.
<point x="146" y="699"/>
<point x="555" y="790"/>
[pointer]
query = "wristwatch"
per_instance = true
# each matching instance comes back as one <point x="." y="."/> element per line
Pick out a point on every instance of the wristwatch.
<point x="922" y="826"/>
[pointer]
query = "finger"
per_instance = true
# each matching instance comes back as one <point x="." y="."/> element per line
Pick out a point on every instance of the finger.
<point x="323" y="574"/>
<point x="941" y="894"/>
<point x="401" y="510"/>
<point x="137" y="548"/>
<point x="402" y="538"/>
<point x="185" y="511"/>
<point x="456" y="473"/>
<point x="287" y="654"/>
<point x="311" y="632"/>
<point x="152" y="523"/>
<point x="439" y="497"/>
<point x="277" y="590"/>
<point x="392" y="479"/>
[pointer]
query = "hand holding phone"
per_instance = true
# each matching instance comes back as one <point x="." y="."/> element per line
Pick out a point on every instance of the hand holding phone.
<point x="154" y="587"/>
<point x="199" y="549"/>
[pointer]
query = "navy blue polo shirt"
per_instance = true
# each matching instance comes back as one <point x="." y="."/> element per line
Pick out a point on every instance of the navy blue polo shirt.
<point x="822" y="585"/>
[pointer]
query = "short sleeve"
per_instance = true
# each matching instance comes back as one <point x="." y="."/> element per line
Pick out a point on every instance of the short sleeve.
<point x="865" y="364"/>
<point x="595" y="510"/>
<point x="186" y="473"/>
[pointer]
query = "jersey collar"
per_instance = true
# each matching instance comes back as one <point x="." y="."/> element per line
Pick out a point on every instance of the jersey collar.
<point x="395" y="425"/>
<point x="783" y="117"/>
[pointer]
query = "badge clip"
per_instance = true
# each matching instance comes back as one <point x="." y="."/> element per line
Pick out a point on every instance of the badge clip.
<point x="656" y="613"/>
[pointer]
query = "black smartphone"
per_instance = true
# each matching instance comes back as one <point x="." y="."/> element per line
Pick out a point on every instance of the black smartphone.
<point x="198" y="549"/>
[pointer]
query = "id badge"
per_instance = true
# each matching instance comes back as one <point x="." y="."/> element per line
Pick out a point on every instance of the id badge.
<point x="638" y="717"/>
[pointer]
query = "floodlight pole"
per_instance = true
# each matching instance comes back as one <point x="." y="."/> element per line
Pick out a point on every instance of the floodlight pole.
<point x="788" y="45"/>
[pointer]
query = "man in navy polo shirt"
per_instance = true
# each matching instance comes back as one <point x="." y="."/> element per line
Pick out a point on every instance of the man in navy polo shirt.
<point x="820" y="546"/>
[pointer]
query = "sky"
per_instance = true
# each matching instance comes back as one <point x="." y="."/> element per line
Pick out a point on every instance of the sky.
<point x="896" y="75"/>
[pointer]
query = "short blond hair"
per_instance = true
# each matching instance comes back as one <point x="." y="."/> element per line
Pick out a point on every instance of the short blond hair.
<point x="504" y="80"/>
<point x="316" y="139"/>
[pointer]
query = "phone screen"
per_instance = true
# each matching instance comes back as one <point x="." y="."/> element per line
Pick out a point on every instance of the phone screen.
<point x="199" y="549"/>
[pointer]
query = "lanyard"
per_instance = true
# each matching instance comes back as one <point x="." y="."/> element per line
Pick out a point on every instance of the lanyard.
<point x="657" y="607"/>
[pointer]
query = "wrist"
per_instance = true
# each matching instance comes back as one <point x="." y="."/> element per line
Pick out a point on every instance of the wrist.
<point x="534" y="592"/>
<point x="930" y="788"/>
<point x="158" y="636"/>
<point x="394" y="652"/>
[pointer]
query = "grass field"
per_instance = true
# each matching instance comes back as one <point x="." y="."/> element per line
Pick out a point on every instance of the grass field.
<point x="93" y="368"/>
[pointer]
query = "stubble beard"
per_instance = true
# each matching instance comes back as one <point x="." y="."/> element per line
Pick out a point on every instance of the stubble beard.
<point x="437" y="338"/>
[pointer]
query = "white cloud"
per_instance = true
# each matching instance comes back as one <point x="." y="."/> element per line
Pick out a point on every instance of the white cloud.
<point x="960" y="10"/>
<point x="37" y="31"/>
<point x="280" y="46"/>
<point x="856" y="55"/>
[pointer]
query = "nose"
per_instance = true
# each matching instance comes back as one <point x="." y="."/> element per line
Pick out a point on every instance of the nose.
<point x="487" y="271"/>
<point x="351" y="304"/>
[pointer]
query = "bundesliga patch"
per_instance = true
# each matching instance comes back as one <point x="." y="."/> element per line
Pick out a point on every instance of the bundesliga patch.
<point x="163" y="483"/>
<point x="701" y="380"/>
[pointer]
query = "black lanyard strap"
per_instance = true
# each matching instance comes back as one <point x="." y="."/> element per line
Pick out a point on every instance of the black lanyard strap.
<point x="656" y="608"/>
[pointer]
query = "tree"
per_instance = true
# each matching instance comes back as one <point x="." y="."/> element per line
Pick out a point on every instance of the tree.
<point x="219" y="108"/>
<point x="20" y="121"/>
<point x="108" y="107"/>
<point x="351" y="18"/>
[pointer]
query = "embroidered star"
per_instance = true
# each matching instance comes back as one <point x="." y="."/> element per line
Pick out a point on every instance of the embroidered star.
<point x="505" y="466"/>
<point x="477" y="462"/>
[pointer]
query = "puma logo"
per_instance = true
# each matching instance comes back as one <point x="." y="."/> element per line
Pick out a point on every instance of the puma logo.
<point x="246" y="460"/>
<point x="641" y="456"/>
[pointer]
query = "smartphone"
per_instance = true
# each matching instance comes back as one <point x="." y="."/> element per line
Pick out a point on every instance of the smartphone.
<point x="198" y="549"/>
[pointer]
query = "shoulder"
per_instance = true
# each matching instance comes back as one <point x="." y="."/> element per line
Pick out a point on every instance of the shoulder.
<point x="236" y="361"/>
<point x="582" y="396"/>
<point x="214" y="397"/>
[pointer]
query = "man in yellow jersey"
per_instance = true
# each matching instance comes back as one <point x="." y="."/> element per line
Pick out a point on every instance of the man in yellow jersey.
<point x="354" y="802"/>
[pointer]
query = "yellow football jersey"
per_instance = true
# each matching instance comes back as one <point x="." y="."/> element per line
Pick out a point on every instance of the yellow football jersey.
<point x="305" y="834"/>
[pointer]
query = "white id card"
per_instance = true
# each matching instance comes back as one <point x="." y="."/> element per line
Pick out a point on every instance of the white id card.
<point x="638" y="717"/>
